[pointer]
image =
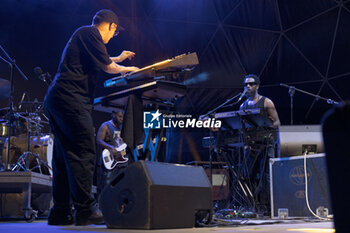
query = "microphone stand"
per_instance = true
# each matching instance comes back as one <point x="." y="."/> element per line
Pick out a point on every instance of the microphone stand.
<point x="12" y="64"/>
<point x="211" y="114"/>
<point x="291" y="92"/>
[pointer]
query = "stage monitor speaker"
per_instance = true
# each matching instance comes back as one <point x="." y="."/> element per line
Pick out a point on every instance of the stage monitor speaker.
<point x="153" y="195"/>
<point x="336" y="136"/>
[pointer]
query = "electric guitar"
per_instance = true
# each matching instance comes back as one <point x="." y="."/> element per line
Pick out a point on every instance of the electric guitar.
<point x="110" y="161"/>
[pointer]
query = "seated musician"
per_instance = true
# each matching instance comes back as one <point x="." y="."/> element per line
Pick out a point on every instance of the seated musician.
<point x="265" y="144"/>
<point x="108" y="137"/>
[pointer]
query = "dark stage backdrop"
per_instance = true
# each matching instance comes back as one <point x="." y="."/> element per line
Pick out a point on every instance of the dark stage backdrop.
<point x="300" y="43"/>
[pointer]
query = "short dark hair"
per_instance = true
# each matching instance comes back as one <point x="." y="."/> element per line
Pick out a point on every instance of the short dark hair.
<point x="116" y="111"/>
<point x="105" y="15"/>
<point x="255" y="77"/>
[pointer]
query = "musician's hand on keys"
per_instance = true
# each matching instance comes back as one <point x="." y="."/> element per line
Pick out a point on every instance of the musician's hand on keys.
<point x="126" y="54"/>
<point x="133" y="68"/>
<point x="128" y="69"/>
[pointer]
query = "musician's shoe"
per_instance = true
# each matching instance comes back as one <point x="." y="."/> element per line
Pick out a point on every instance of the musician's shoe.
<point x="92" y="215"/>
<point x="60" y="217"/>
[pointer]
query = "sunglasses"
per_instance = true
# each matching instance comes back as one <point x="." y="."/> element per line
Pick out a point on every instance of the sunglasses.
<point x="250" y="84"/>
<point x="116" y="31"/>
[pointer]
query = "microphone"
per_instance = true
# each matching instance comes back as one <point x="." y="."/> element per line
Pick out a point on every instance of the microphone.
<point x="243" y="94"/>
<point x="41" y="75"/>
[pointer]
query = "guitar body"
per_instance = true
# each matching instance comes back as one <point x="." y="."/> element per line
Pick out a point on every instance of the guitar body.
<point x="110" y="161"/>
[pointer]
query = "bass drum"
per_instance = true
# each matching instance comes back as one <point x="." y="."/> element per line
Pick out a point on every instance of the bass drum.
<point x="40" y="145"/>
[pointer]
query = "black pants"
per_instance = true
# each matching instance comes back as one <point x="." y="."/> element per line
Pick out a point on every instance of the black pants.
<point x="73" y="159"/>
<point x="256" y="172"/>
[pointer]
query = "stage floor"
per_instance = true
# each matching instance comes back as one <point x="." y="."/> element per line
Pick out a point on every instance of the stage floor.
<point x="266" y="226"/>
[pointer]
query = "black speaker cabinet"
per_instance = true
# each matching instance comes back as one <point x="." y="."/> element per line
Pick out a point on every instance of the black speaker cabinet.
<point x="153" y="195"/>
<point x="336" y="137"/>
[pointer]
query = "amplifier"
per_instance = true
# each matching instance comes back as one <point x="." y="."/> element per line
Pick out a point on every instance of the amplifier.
<point x="220" y="183"/>
<point x="296" y="139"/>
<point x="287" y="186"/>
<point x="220" y="178"/>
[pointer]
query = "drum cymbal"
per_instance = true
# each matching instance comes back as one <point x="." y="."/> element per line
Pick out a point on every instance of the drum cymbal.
<point x="5" y="89"/>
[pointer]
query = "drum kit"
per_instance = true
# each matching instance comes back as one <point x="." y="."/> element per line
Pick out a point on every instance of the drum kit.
<point x="24" y="146"/>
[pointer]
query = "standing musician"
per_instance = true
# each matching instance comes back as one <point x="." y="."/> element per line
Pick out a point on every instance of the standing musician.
<point x="266" y="106"/>
<point x="108" y="137"/>
<point x="68" y="104"/>
<point x="265" y="144"/>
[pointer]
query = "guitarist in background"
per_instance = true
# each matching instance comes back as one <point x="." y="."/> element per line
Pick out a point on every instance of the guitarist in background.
<point x="108" y="137"/>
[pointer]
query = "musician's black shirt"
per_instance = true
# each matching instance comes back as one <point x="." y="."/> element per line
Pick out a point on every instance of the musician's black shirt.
<point x="84" y="55"/>
<point x="114" y="134"/>
<point x="259" y="104"/>
<point x="262" y="132"/>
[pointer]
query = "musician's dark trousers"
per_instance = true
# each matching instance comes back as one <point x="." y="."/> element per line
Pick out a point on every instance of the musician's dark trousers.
<point x="257" y="171"/>
<point x="74" y="154"/>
